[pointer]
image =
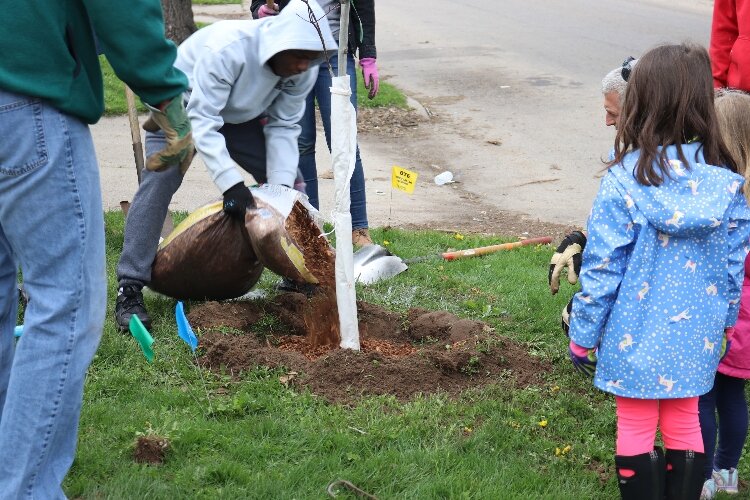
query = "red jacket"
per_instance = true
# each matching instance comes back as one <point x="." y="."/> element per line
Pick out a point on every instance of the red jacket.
<point x="737" y="362"/>
<point x="730" y="44"/>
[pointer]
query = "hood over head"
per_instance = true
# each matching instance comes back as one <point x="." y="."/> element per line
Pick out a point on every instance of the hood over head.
<point x="692" y="202"/>
<point x="292" y="29"/>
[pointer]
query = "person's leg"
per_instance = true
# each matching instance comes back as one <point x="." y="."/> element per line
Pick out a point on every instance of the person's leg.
<point x="246" y="144"/>
<point x="707" y="420"/>
<point x="357" y="187"/>
<point x="680" y="429"/>
<point x="640" y="467"/>
<point x="636" y="425"/>
<point x="358" y="202"/>
<point x="308" y="136"/>
<point x="8" y="312"/>
<point x="53" y="221"/>
<point x="142" y="231"/>
<point x="733" y="421"/>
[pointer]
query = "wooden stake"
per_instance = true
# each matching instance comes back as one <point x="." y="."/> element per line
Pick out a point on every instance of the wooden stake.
<point x="135" y="132"/>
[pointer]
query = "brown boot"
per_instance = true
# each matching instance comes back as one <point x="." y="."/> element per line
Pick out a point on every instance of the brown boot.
<point x="361" y="237"/>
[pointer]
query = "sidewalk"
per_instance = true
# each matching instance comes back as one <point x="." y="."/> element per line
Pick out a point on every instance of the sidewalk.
<point x="430" y="205"/>
<point x="386" y="207"/>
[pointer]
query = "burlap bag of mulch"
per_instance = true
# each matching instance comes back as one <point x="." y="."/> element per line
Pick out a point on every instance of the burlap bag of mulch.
<point x="211" y="256"/>
<point x="207" y="257"/>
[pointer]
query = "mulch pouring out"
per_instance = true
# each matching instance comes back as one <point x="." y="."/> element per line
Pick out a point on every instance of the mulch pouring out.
<point x="419" y="352"/>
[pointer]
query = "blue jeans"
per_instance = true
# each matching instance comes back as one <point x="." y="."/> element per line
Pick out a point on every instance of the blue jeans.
<point x="728" y="398"/>
<point x="52" y="226"/>
<point x="321" y="92"/>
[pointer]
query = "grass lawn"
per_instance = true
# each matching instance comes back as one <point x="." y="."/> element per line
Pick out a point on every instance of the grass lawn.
<point x="115" y="103"/>
<point x="250" y="437"/>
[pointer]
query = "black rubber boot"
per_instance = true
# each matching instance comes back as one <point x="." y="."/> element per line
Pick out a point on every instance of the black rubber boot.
<point x="648" y="481"/>
<point x="685" y="474"/>
<point x="129" y="302"/>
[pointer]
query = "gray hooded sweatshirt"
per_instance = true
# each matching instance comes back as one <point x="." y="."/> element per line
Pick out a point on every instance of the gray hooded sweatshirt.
<point x="231" y="82"/>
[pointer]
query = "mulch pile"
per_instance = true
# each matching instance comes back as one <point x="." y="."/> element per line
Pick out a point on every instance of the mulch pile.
<point x="420" y="352"/>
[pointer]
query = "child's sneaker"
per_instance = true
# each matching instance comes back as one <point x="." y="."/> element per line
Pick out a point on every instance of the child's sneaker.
<point x="709" y="490"/>
<point x="726" y="480"/>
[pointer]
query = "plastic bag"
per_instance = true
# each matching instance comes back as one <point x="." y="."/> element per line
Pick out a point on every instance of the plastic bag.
<point x="286" y="236"/>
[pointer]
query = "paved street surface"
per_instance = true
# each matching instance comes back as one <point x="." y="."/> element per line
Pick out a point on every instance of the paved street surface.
<point x="513" y="90"/>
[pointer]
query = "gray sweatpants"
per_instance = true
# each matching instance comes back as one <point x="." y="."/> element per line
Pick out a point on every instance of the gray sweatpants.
<point x="246" y="145"/>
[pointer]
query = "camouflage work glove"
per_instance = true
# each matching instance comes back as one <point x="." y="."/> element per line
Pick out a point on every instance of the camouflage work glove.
<point x="568" y="254"/>
<point x="173" y="120"/>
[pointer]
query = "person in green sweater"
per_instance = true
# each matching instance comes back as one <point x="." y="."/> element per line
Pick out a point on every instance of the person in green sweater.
<point x="51" y="220"/>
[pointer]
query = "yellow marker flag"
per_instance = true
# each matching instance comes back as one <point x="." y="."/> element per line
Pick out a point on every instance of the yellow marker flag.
<point x="403" y="179"/>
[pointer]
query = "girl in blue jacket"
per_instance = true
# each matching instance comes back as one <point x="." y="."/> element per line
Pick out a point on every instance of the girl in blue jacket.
<point x="662" y="271"/>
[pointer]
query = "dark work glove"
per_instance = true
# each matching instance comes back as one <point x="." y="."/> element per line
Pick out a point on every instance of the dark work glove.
<point x="567" y="254"/>
<point x="565" y="320"/>
<point x="237" y="199"/>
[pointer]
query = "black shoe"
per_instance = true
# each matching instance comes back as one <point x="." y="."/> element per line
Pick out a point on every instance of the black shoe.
<point x="130" y="302"/>
<point x="287" y="285"/>
<point x="23" y="297"/>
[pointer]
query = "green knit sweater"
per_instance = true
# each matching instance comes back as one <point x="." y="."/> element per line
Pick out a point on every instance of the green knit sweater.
<point x="48" y="51"/>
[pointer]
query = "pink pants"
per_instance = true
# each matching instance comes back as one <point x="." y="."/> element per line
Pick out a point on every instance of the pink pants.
<point x="637" y="420"/>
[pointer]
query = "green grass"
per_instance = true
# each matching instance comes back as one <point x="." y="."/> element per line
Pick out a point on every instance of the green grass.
<point x="388" y="95"/>
<point x="115" y="103"/>
<point x="255" y="438"/>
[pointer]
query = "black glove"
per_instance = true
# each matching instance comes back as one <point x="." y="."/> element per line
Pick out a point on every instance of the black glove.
<point x="237" y="199"/>
<point x="567" y="254"/>
<point x="565" y="320"/>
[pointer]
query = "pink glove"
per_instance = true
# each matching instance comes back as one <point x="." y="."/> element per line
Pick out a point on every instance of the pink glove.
<point x="370" y="75"/>
<point x="264" y="11"/>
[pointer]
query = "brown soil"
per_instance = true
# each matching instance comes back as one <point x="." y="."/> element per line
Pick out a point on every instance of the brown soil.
<point x="150" y="449"/>
<point x="420" y="352"/>
<point x="319" y="257"/>
<point x="388" y="121"/>
<point x="320" y="314"/>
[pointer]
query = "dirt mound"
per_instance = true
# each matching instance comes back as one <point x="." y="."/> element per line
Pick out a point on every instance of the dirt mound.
<point x="150" y="449"/>
<point x="420" y="352"/>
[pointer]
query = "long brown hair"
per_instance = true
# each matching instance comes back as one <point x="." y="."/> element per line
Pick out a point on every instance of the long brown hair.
<point x="733" y="114"/>
<point x="669" y="101"/>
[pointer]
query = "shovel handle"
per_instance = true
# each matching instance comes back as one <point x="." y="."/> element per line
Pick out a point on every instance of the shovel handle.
<point x="476" y="252"/>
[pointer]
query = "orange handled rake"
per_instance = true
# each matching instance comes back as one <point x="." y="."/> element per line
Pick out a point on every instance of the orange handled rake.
<point x="373" y="262"/>
<point x="476" y="252"/>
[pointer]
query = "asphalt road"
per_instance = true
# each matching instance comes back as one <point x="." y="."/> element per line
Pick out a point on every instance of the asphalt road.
<point x="526" y="73"/>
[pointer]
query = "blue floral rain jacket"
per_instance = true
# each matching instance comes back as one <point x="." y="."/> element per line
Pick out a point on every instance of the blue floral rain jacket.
<point x="661" y="277"/>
